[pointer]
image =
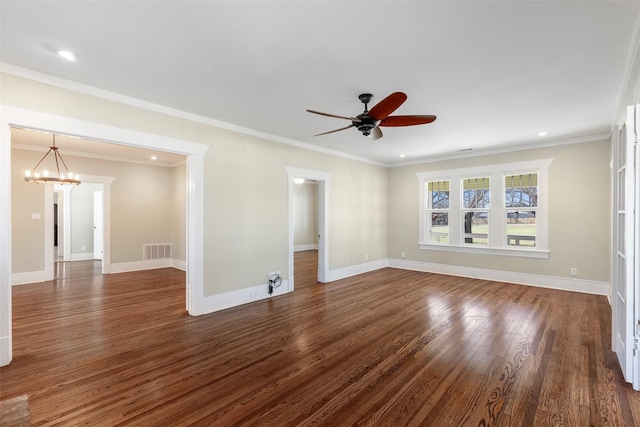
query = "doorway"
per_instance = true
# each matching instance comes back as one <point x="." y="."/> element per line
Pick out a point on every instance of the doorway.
<point x="626" y="246"/>
<point x="14" y="117"/>
<point x="321" y="180"/>
<point x="305" y="225"/>
<point x="78" y="225"/>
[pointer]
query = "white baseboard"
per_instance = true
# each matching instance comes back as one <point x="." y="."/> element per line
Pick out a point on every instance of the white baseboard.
<point x="179" y="264"/>
<point x="553" y="282"/>
<point x="82" y="256"/>
<point x="150" y="264"/>
<point x="231" y="299"/>
<point x="28" y="277"/>
<point x="5" y="350"/>
<point x="353" y="270"/>
<point x="308" y="247"/>
<point x="121" y="267"/>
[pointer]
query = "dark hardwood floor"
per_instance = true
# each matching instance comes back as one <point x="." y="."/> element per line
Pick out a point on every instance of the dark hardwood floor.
<point x="387" y="348"/>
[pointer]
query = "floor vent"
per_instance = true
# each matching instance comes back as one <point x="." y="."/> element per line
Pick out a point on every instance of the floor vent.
<point x="156" y="251"/>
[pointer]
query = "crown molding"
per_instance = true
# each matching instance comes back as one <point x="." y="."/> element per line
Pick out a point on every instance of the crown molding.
<point x="135" y="102"/>
<point x="504" y="149"/>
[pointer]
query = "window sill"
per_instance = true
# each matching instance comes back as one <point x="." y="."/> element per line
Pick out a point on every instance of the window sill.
<point x="515" y="252"/>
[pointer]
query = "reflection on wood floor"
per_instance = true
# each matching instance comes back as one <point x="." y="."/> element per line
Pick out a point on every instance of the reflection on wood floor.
<point x="388" y="348"/>
<point x="76" y="269"/>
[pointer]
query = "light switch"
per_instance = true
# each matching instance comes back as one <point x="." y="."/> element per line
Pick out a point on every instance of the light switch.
<point x="35" y="216"/>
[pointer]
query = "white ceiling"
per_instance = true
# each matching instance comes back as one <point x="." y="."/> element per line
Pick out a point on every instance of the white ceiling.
<point x="496" y="73"/>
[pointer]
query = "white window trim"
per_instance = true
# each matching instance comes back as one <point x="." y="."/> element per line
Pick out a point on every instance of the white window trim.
<point x="497" y="244"/>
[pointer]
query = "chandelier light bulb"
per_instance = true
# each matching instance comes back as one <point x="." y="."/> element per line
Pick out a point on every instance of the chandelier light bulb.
<point x="27" y="173"/>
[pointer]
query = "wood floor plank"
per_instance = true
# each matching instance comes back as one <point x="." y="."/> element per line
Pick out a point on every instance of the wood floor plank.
<point x="390" y="347"/>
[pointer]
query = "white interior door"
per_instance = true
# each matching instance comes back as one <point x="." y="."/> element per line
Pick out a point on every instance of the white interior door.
<point x="97" y="225"/>
<point x="624" y="307"/>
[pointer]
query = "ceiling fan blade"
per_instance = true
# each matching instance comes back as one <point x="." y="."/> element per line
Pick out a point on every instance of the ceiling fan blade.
<point x="336" y="130"/>
<point x="353" y="119"/>
<point x="406" y="120"/>
<point x="387" y="105"/>
<point x="376" y="133"/>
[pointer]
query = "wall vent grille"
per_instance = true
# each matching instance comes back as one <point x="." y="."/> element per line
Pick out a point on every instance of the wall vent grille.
<point x="156" y="251"/>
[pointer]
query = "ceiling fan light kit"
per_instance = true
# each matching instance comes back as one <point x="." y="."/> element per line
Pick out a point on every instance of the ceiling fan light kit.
<point x="369" y="122"/>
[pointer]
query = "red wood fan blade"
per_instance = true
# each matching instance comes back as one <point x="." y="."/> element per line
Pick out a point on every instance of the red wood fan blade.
<point x="387" y="105"/>
<point x="336" y="130"/>
<point x="406" y="120"/>
<point x="353" y="119"/>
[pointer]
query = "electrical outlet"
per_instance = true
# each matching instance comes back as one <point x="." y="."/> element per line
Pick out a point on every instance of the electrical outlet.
<point x="366" y="257"/>
<point x="403" y="254"/>
<point x="84" y="248"/>
<point x="574" y="271"/>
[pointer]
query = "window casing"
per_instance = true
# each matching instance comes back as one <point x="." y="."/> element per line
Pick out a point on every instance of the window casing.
<point x="497" y="209"/>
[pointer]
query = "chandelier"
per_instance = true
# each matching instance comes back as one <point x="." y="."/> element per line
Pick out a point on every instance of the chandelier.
<point x="45" y="176"/>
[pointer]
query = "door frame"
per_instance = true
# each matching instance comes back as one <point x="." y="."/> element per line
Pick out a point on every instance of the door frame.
<point x="625" y="288"/>
<point x="323" y="220"/>
<point x="98" y="225"/>
<point x="23" y="118"/>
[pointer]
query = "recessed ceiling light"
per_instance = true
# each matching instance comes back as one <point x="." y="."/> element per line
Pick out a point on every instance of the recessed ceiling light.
<point x="401" y="155"/>
<point x="542" y="134"/>
<point x="154" y="158"/>
<point x="67" y="55"/>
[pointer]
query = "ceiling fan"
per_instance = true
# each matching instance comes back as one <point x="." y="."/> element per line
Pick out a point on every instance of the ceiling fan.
<point x="369" y="122"/>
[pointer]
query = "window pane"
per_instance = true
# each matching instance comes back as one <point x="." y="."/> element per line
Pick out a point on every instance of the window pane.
<point x="475" y="193"/>
<point x="438" y="195"/>
<point x="521" y="228"/>
<point x="521" y="191"/>
<point x="439" y="227"/>
<point x="476" y="228"/>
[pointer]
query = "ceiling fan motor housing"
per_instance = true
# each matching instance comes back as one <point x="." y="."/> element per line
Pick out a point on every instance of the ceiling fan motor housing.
<point x="366" y="124"/>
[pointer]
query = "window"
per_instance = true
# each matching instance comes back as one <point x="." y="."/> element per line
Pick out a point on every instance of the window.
<point x="498" y="209"/>
<point x="476" y="195"/>
<point x="438" y="211"/>
<point x="521" y="203"/>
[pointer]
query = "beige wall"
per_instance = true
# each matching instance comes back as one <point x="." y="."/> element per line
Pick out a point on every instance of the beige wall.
<point x="579" y="213"/>
<point x="373" y="211"/>
<point x="305" y="209"/>
<point x="242" y="176"/>
<point x="179" y="212"/>
<point x="27" y="243"/>
<point x="141" y="208"/>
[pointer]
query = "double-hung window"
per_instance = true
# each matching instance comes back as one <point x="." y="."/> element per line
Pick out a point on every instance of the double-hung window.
<point x="437" y="211"/>
<point x="521" y="204"/>
<point x="497" y="209"/>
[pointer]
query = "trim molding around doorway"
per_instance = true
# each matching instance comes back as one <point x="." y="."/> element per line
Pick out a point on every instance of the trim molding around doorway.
<point x="19" y="117"/>
<point x="323" y="220"/>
